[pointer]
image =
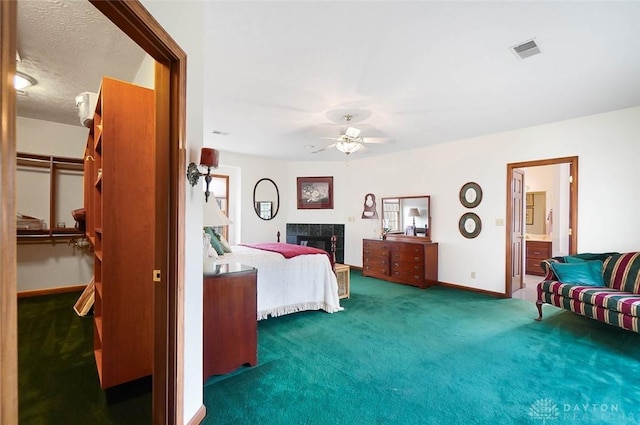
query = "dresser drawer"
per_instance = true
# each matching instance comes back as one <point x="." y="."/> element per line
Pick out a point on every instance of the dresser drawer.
<point x="533" y="267"/>
<point x="409" y="266"/>
<point x="538" y="249"/>
<point x="407" y="276"/>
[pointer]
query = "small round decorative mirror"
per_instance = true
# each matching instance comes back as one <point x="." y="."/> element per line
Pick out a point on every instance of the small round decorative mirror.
<point x="266" y="199"/>
<point x="471" y="195"/>
<point x="470" y="225"/>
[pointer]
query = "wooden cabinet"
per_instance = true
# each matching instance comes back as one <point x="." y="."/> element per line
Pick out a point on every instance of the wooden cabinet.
<point x="230" y="322"/>
<point x="409" y="262"/>
<point x="119" y="190"/>
<point x="536" y="252"/>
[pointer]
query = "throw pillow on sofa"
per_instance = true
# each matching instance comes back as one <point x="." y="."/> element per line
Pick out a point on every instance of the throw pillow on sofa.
<point x="587" y="273"/>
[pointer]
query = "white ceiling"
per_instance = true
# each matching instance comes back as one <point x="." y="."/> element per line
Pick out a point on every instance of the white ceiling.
<point x="280" y="75"/>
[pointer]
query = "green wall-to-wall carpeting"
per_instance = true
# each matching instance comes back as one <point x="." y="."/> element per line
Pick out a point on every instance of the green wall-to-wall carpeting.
<point x="401" y="355"/>
<point x="396" y="355"/>
<point x="57" y="378"/>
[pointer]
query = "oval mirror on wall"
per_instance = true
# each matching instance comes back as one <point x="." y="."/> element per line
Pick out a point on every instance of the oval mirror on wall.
<point x="266" y="199"/>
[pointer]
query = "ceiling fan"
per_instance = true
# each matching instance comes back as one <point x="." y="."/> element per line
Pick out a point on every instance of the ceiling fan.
<point x="350" y="141"/>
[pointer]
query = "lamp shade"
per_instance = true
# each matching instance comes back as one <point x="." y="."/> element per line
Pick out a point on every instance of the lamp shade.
<point x="414" y="212"/>
<point x="209" y="157"/>
<point x="212" y="216"/>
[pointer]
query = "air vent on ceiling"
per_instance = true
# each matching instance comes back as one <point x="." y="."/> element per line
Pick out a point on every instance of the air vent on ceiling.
<point x="525" y="49"/>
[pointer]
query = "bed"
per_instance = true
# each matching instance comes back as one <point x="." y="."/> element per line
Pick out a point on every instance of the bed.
<point x="305" y="281"/>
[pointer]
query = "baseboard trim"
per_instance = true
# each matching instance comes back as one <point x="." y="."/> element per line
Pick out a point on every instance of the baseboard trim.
<point x="470" y="289"/>
<point x="50" y="291"/>
<point x="199" y="416"/>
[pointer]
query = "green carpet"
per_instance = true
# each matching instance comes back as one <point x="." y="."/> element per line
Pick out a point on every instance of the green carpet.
<point x="57" y="378"/>
<point x="401" y="355"/>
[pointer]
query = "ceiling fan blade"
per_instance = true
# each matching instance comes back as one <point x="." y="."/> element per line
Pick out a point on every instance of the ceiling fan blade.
<point x="378" y="140"/>
<point x="352" y="132"/>
<point x="323" y="149"/>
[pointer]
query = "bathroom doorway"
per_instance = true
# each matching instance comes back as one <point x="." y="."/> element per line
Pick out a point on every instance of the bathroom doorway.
<point x="554" y="184"/>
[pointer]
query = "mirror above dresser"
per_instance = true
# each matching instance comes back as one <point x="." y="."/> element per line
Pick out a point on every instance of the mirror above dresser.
<point x="407" y="217"/>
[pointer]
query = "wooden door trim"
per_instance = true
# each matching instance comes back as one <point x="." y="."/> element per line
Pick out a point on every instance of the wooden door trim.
<point x="8" y="265"/>
<point x="573" y="208"/>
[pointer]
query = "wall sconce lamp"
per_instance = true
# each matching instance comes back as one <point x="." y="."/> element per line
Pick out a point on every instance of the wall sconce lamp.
<point x="208" y="158"/>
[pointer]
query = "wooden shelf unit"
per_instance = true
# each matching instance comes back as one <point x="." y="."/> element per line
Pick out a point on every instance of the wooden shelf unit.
<point x="54" y="164"/>
<point x="119" y="191"/>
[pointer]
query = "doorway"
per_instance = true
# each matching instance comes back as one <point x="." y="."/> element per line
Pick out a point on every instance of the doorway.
<point x="517" y="217"/>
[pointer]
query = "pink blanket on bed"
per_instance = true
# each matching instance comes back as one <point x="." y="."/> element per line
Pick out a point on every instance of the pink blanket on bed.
<point x="288" y="250"/>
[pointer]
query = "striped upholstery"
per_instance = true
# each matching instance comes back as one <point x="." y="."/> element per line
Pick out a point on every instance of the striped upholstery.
<point x="617" y="304"/>
<point x="622" y="272"/>
<point x="614" y="318"/>
<point x="611" y="299"/>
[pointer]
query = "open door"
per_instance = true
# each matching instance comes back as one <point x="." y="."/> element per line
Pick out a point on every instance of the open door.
<point x="514" y="261"/>
<point x="517" y="229"/>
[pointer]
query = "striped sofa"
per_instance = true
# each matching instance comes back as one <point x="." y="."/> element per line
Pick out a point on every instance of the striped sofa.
<point x="617" y="303"/>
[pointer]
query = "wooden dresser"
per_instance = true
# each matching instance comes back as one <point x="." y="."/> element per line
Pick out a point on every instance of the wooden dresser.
<point x="536" y="252"/>
<point x="413" y="262"/>
<point x="230" y="322"/>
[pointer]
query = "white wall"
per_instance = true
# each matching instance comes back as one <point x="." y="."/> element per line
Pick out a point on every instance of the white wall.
<point x="608" y="169"/>
<point x="49" y="265"/>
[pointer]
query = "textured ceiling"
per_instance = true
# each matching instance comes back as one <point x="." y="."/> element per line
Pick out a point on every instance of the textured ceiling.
<point x="67" y="46"/>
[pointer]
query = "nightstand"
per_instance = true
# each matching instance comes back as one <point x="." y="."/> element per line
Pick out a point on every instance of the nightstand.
<point x="230" y="324"/>
<point x="344" y="279"/>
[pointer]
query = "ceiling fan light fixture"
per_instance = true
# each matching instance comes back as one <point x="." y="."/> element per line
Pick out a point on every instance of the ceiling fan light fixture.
<point x="22" y="81"/>
<point x="348" y="147"/>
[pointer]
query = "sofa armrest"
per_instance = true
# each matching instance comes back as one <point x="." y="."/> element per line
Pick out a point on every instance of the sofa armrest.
<point x="546" y="266"/>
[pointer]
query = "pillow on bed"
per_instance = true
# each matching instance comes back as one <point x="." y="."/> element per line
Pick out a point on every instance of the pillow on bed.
<point x="225" y="244"/>
<point x="208" y="250"/>
<point x="215" y="242"/>
<point x="583" y="273"/>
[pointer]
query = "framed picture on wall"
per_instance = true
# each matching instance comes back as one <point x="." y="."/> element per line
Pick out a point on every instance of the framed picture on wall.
<point x="528" y="218"/>
<point x="315" y="193"/>
<point x="529" y="199"/>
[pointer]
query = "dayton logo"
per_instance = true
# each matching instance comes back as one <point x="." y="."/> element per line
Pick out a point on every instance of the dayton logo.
<point x="544" y="409"/>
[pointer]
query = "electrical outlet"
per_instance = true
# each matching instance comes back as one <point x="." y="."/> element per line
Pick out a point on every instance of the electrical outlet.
<point x="499" y="222"/>
<point x="473" y="275"/>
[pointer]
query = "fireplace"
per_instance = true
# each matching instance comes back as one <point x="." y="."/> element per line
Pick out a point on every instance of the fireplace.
<point x="320" y="242"/>
<point x="317" y="236"/>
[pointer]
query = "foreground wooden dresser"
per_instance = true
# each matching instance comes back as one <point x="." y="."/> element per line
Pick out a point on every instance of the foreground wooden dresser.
<point x="230" y="322"/>
<point x="411" y="262"/>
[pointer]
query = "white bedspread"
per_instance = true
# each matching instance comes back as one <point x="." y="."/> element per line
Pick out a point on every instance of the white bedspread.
<point x="285" y="286"/>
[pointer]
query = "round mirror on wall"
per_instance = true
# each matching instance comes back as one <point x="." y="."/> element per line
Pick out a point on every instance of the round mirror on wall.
<point x="471" y="195"/>
<point x="470" y="225"/>
<point x="266" y="199"/>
